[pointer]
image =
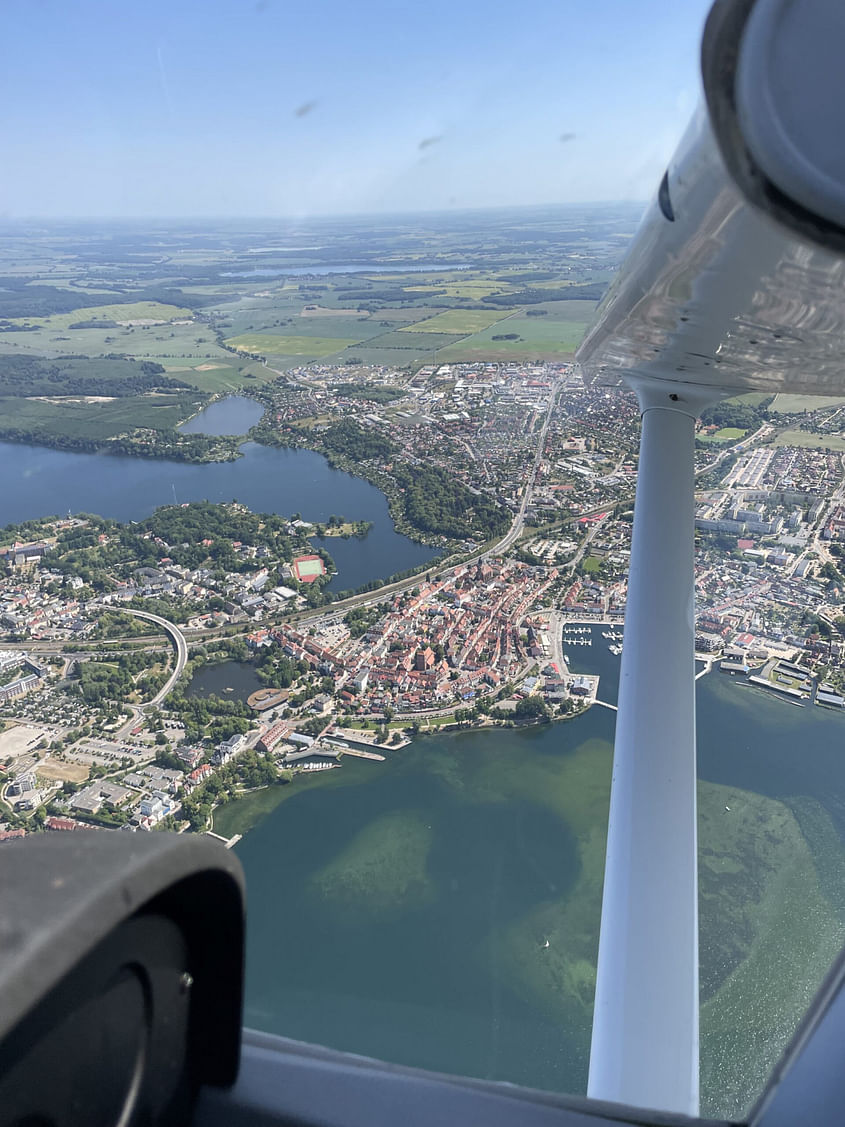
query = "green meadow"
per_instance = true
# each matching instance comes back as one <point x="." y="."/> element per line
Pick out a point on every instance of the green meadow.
<point x="810" y="441"/>
<point x="545" y="338"/>
<point x="96" y="420"/>
<point x="462" y="321"/>
<point x="272" y="344"/>
<point x="793" y="404"/>
<point x="131" y="311"/>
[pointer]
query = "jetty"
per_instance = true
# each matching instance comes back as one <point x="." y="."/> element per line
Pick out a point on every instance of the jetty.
<point x="361" y="754"/>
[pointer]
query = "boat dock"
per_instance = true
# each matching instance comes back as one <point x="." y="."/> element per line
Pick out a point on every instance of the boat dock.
<point x="227" y="841"/>
<point x="356" y="751"/>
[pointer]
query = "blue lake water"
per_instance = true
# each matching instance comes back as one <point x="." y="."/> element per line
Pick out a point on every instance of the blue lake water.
<point x="39" y="482"/>
<point x="296" y="271"/>
<point x="234" y="415"/>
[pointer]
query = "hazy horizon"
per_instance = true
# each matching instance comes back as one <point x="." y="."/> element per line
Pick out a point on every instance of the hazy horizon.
<point x="186" y="220"/>
<point x="213" y="108"/>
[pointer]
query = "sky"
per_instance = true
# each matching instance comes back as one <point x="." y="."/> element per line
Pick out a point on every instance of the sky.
<point x="291" y="108"/>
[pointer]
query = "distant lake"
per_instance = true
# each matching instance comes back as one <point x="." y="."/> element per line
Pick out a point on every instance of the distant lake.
<point x="281" y="271"/>
<point x="38" y="482"/>
<point x="234" y="415"/>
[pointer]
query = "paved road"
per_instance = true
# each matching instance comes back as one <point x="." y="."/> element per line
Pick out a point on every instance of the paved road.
<point x="181" y="652"/>
<point x="556" y="632"/>
<point x="515" y="530"/>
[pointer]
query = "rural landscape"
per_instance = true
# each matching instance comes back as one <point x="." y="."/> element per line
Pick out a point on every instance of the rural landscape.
<point x="165" y="319"/>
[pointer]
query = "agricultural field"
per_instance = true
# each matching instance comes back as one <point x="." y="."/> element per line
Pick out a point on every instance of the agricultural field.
<point x="458" y="321"/>
<point x="271" y="344"/>
<point x="131" y="311"/>
<point x="469" y="289"/>
<point x="340" y="326"/>
<point x="417" y="342"/>
<point x="810" y="441"/>
<point x="539" y="338"/>
<point x="793" y="404"/>
<point x="387" y="292"/>
<point x="750" y="398"/>
<point x="81" y="418"/>
<point x="370" y="353"/>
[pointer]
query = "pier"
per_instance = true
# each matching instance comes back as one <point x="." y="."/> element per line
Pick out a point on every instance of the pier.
<point x="604" y="704"/>
<point x="360" y="754"/>
<point x="227" y="841"/>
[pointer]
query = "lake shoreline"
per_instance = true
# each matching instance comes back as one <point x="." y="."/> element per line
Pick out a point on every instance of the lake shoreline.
<point x="453" y="729"/>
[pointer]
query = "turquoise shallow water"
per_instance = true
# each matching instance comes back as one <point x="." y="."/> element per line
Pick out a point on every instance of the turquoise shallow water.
<point x="401" y="909"/>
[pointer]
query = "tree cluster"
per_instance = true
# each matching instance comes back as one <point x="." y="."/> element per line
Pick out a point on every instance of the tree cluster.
<point x="436" y="502"/>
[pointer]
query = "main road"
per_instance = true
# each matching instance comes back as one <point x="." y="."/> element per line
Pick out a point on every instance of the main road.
<point x="181" y="645"/>
<point x="515" y="530"/>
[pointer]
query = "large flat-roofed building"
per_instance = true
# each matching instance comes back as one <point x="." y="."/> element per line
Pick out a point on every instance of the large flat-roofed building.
<point x="99" y="794"/>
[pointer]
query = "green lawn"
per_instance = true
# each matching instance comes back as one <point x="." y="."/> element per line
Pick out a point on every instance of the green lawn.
<point x="726" y="434"/>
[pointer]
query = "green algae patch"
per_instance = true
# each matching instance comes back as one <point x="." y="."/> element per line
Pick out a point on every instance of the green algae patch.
<point x="771" y="926"/>
<point x="384" y="867"/>
<point x="770" y="920"/>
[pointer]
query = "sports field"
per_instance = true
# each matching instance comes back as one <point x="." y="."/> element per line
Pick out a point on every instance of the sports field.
<point x="726" y="434"/>
<point x="308" y="568"/>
